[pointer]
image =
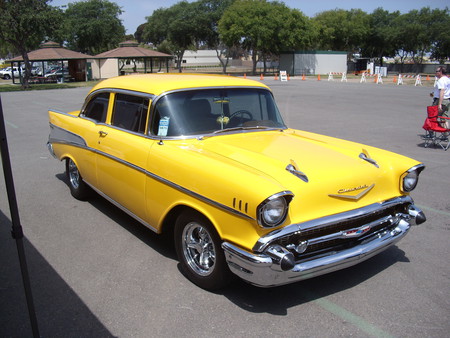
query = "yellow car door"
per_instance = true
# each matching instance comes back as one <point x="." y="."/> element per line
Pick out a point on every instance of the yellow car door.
<point x="122" y="153"/>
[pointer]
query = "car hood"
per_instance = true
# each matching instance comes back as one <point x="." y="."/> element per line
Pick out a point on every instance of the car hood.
<point x="325" y="175"/>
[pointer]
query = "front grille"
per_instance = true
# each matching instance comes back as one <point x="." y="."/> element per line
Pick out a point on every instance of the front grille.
<point x="324" y="238"/>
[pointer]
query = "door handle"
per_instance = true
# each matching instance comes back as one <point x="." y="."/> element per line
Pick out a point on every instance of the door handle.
<point x="102" y="133"/>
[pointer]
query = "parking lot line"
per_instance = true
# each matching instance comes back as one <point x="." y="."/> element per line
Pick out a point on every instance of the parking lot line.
<point x="350" y="317"/>
<point x="11" y="124"/>
<point x="445" y="213"/>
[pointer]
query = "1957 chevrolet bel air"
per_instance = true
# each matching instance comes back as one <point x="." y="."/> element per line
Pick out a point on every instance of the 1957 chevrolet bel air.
<point x="209" y="158"/>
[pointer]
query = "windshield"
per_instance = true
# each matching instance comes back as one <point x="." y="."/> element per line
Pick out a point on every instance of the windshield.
<point x="199" y="112"/>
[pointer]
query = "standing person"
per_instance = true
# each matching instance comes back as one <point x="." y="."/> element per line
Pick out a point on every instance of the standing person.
<point x="441" y="94"/>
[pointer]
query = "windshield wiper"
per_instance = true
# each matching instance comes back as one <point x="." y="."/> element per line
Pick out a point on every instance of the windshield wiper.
<point x="226" y="130"/>
<point x="242" y="128"/>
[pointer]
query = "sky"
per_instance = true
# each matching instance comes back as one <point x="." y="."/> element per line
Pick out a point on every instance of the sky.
<point x="136" y="11"/>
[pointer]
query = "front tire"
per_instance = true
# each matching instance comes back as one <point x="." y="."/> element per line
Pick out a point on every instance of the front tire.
<point x="78" y="188"/>
<point x="199" y="251"/>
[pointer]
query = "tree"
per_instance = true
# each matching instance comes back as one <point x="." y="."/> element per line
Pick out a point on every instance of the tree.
<point x="139" y="33"/>
<point x="23" y="26"/>
<point x="423" y="32"/>
<point x="292" y="30"/>
<point x="263" y="27"/>
<point x="207" y="14"/>
<point x="439" y="32"/>
<point x="93" y="26"/>
<point x="342" y="30"/>
<point x="177" y="26"/>
<point x="380" y="41"/>
<point x="413" y="33"/>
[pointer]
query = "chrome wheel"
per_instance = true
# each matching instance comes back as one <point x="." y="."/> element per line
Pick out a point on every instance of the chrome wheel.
<point x="78" y="188"/>
<point x="74" y="174"/>
<point x="198" y="249"/>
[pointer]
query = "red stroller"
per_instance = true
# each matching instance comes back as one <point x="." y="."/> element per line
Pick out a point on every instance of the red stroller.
<point x="436" y="127"/>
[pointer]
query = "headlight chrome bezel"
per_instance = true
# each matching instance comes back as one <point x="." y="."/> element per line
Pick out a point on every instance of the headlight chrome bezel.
<point x="278" y="204"/>
<point x="410" y="178"/>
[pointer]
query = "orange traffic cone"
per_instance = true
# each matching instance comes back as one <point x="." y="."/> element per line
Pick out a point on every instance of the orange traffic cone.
<point x="276" y="77"/>
<point x="303" y="77"/>
<point x="245" y="75"/>
<point x="318" y="77"/>
<point x="261" y="77"/>
<point x="395" y="79"/>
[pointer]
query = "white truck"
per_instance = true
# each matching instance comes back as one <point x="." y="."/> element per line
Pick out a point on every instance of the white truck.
<point x="6" y="73"/>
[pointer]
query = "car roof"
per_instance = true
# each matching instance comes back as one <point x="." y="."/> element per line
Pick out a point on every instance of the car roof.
<point x="157" y="84"/>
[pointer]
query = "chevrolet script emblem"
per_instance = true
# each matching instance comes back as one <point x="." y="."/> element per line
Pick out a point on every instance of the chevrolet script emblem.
<point x="353" y="193"/>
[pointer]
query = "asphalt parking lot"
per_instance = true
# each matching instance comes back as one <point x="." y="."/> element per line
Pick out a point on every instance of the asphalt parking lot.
<point x="95" y="272"/>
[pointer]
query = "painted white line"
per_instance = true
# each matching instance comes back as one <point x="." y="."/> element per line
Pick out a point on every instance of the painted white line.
<point x="356" y="320"/>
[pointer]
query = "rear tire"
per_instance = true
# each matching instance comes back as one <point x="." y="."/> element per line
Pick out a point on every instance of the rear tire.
<point x="78" y="188"/>
<point x="199" y="251"/>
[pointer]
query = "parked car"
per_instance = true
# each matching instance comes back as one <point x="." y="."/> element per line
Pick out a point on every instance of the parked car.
<point x="6" y="73"/>
<point x="210" y="159"/>
<point x="36" y="71"/>
<point x="58" y="74"/>
<point x="52" y="69"/>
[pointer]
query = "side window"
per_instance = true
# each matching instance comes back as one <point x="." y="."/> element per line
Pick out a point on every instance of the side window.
<point x="130" y="112"/>
<point x="97" y="107"/>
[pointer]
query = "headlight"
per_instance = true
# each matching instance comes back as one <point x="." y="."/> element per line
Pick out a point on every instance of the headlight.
<point x="411" y="177"/>
<point x="273" y="211"/>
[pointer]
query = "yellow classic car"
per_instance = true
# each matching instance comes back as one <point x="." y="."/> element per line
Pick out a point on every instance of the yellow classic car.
<point x="209" y="159"/>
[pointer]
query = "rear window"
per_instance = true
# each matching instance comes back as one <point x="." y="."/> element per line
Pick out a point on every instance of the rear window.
<point x="97" y="107"/>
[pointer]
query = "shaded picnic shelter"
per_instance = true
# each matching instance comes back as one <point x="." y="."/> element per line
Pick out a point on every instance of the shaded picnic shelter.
<point x="127" y="58"/>
<point x="74" y="65"/>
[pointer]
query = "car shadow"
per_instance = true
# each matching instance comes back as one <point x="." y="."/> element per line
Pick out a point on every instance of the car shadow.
<point x="278" y="300"/>
<point x="163" y="244"/>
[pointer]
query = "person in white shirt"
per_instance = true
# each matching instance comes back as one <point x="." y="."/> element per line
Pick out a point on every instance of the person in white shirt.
<point x="441" y="94"/>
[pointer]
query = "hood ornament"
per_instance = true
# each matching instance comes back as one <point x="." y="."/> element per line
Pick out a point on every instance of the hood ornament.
<point x="366" y="157"/>
<point x="345" y="193"/>
<point x="292" y="168"/>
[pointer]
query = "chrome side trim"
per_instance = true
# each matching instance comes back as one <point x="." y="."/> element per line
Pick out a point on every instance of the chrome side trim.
<point x="199" y="197"/>
<point x="63" y="136"/>
<point x="175" y="186"/>
<point x="264" y="241"/>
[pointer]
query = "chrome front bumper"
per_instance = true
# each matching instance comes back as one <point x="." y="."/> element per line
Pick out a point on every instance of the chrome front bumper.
<point x="276" y="265"/>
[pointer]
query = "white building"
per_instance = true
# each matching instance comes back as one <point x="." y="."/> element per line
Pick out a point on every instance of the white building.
<point x="313" y="62"/>
<point x="200" y="57"/>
